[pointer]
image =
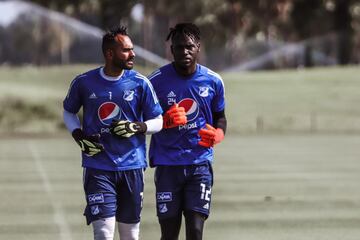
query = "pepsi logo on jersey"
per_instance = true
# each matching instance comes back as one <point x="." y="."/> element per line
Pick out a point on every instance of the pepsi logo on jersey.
<point x="191" y="110"/>
<point x="107" y="112"/>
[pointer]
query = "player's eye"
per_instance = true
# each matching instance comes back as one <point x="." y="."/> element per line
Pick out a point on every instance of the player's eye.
<point x="179" y="48"/>
<point x="128" y="49"/>
<point x="186" y="47"/>
<point x="190" y="47"/>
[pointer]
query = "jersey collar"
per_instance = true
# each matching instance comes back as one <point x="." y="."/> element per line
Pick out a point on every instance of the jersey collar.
<point x="108" y="78"/>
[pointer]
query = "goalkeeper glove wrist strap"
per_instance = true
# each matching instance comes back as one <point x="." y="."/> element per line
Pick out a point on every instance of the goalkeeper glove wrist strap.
<point x="77" y="134"/>
<point x="141" y="127"/>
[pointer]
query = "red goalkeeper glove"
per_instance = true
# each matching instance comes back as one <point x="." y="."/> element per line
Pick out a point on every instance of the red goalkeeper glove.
<point x="210" y="136"/>
<point x="175" y="116"/>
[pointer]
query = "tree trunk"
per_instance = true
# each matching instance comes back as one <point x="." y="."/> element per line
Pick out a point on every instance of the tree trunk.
<point x="343" y="29"/>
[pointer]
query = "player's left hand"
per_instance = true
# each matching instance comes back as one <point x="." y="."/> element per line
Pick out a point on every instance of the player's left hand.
<point x="89" y="144"/>
<point x="210" y="136"/>
<point x="125" y="128"/>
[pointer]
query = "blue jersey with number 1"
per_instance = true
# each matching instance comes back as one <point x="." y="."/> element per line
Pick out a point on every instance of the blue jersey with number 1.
<point x="129" y="98"/>
<point x="201" y="94"/>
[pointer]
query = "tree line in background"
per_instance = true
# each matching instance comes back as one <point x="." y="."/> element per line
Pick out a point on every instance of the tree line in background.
<point x="236" y="30"/>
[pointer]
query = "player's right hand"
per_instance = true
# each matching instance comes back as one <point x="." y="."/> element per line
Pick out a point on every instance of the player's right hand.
<point x="175" y="116"/>
<point x="90" y="145"/>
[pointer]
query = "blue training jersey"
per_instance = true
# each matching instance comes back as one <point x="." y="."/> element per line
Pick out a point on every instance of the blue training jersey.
<point x="129" y="98"/>
<point x="201" y="94"/>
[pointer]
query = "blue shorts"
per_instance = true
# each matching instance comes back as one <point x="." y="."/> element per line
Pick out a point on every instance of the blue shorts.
<point x="182" y="188"/>
<point x="113" y="193"/>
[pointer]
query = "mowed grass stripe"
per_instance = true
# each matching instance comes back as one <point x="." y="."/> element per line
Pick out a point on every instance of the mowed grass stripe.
<point x="290" y="190"/>
<point x="58" y="212"/>
<point x="230" y="224"/>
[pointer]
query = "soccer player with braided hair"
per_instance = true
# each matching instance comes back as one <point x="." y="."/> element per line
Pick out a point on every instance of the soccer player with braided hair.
<point x="119" y="107"/>
<point x="192" y="97"/>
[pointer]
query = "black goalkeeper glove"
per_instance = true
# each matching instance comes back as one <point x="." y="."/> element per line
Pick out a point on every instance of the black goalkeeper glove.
<point x="90" y="145"/>
<point x="124" y="128"/>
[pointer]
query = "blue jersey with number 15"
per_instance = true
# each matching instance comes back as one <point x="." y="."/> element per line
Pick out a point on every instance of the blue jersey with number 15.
<point x="201" y="94"/>
<point x="131" y="97"/>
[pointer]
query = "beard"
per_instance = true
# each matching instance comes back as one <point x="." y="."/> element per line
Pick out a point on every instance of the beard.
<point x="123" y="64"/>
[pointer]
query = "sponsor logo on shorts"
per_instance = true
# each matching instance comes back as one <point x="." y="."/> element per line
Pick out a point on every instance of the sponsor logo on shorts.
<point x="164" y="196"/>
<point x="162" y="208"/>
<point x="95" y="198"/>
<point x="95" y="210"/>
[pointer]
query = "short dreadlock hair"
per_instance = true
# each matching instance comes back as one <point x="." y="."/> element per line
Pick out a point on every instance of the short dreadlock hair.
<point x="188" y="29"/>
<point x="109" y="37"/>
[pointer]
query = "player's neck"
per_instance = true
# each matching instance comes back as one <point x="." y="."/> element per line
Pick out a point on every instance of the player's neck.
<point x="112" y="72"/>
<point x="185" y="71"/>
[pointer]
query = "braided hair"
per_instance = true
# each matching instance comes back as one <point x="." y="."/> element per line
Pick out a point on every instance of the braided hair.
<point x="187" y="29"/>
<point x="108" y="39"/>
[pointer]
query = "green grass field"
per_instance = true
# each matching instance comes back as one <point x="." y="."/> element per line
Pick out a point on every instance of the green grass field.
<point x="268" y="186"/>
<point x="273" y="187"/>
<point x="316" y="100"/>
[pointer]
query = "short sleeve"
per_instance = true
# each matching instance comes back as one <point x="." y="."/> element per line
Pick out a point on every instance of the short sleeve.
<point x="72" y="102"/>
<point x="218" y="103"/>
<point x="150" y="103"/>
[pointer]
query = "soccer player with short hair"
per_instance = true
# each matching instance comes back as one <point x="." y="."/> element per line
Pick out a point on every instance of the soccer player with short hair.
<point x="119" y="107"/>
<point x="192" y="97"/>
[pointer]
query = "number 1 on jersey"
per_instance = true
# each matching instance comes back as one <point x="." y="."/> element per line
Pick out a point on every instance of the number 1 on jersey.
<point x="110" y="95"/>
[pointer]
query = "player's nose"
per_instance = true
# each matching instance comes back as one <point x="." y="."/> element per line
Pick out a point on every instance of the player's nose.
<point x="132" y="54"/>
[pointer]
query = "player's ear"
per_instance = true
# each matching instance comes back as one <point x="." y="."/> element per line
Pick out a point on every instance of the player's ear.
<point x="109" y="53"/>
<point x="198" y="46"/>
